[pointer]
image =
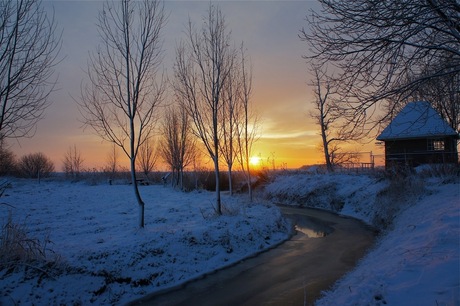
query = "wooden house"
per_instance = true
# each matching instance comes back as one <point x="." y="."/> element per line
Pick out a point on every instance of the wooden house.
<point x="419" y="135"/>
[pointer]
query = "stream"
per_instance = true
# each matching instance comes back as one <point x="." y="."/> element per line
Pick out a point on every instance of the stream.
<point x="324" y="248"/>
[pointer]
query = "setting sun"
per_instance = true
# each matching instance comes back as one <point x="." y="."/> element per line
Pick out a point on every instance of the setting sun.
<point x="254" y="161"/>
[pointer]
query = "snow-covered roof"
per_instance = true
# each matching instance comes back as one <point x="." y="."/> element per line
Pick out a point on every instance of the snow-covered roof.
<point x="417" y="120"/>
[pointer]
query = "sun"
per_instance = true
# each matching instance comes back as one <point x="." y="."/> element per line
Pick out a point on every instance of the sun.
<point x="254" y="161"/>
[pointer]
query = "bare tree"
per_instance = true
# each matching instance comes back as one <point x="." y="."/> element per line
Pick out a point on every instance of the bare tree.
<point x="330" y="118"/>
<point x="73" y="162"/>
<point x="147" y="158"/>
<point x="178" y="147"/>
<point x="246" y="121"/>
<point x="325" y="113"/>
<point x="375" y="44"/>
<point x="121" y="100"/>
<point x="203" y="63"/>
<point x="28" y="54"/>
<point x="112" y="162"/>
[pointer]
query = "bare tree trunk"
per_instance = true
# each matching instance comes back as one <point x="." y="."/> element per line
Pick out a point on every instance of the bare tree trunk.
<point x="248" y="168"/>
<point x="327" y="156"/>
<point x="216" y="167"/>
<point x="230" y="180"/>
<point x="139" y="200"/>
<point x="217" y="174"/>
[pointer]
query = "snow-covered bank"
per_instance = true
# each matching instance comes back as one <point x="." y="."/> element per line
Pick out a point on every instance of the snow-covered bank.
<point x="349" y="194"/>
<point x="416" y="260"/>
<point x="96" y="254"/>
<point x="416" y="263"/>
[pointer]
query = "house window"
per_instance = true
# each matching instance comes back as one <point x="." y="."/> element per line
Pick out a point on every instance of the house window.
<point x="435" y="145"/>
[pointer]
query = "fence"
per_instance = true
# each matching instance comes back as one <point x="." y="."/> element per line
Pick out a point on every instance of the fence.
<point x="358" y="161"/>
<point x="368" y="161"/>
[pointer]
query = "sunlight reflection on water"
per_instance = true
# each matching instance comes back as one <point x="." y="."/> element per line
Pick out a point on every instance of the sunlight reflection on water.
<point x="311" y="227"/>
<point x="310" y="232"/>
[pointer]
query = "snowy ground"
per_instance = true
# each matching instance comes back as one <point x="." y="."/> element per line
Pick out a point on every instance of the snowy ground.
<point x="104" y="259"/>
<point x="416" y="261"/>
<point x="96" y="254"/>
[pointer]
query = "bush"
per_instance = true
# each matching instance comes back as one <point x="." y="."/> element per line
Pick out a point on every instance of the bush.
<point x="16" y="246"/>
<point x="450" y="172"/>
<point x="401" y="193"/>
<point x="35" y="165"/>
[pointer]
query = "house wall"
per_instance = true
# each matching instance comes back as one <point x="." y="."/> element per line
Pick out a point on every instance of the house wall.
<point x="414" y="152"/>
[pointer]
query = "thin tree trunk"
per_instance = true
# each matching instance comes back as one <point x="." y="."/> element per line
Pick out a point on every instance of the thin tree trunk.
<point x="217" y="173"/>
<point x="248" y="172"/>
<point x="137" y="193"/>
<point x="327" y="156"/>
<point x="216" y="158"/>
<point x="230" y="181"/>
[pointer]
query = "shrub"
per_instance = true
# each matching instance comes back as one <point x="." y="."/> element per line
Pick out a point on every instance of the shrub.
<point x="35" y="165"/>
<point x="16" y="246"/>
<point x="449" y="172"/>
<point x="398" y="195"/>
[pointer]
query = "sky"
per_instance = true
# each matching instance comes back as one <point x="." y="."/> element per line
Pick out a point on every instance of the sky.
<point x="281" y="96"/>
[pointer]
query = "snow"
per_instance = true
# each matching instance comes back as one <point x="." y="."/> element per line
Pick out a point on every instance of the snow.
<point x="416" y="259"/>
<point x="104" y="259"/>
<point x="96" y="253"/>
<point x="416" y="119"/>
<point x="416" y="263"/>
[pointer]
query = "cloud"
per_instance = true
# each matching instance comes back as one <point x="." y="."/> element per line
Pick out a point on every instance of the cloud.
<point x="289" y="135"/>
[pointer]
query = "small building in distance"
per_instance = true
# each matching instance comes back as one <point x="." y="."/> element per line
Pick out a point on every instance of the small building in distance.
<point x="419" y="135"/>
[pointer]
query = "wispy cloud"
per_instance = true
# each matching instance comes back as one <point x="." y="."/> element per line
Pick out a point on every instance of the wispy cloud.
<point x="289" y="135"/>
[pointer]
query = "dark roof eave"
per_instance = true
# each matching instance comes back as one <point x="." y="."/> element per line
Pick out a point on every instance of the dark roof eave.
<point x="455" y="136"/>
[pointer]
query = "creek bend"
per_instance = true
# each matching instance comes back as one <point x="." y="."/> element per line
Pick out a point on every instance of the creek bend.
<point x="324" y="248"/>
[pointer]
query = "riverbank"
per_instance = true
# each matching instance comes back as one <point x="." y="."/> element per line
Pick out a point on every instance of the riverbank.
<point x="324" y="247"/>
<point x="416" y="259"/>
<point x="66" y="243"/>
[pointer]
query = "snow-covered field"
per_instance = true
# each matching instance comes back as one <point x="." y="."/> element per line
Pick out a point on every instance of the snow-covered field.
<point x="96" y="253"/>
<point x="416" y="260"/>
<point x="100" y="256"/>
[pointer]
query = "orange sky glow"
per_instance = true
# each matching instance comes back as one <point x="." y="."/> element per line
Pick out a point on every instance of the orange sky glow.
<point x="281" y="96"/>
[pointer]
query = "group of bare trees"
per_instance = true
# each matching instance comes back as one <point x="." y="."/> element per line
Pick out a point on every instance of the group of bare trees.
<point x="120" y="102"/>
<point x="73" y="162"/>
<point x="212" y="82"/>
<point x="178" y="146"/>
<point x="382" y="54"/>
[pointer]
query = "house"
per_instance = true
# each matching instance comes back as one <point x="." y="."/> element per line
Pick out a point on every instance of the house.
<point x="419" y="135"/>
